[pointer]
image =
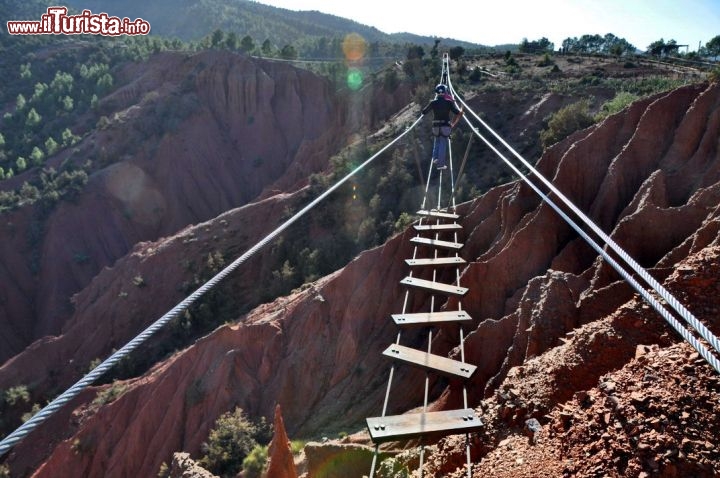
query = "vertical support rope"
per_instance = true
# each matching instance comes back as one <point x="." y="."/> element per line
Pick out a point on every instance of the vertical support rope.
<point x="452" y="178"/>
<point x="468" y="461"/>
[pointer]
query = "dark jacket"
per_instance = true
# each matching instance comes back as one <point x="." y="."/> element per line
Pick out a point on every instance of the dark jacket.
<point x="441" y="108"/>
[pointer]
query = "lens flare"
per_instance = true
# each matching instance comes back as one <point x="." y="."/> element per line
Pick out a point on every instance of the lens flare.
<point x="354" y="79"/>
<point x="354" y="47"/>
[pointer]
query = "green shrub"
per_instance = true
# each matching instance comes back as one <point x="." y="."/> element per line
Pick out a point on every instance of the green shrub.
<point x="254" y="464"/>
<point x="404" y="221"/>
<point x="566" y="121"/>
<point x="229" y="443"/>
<point x="17" y="395"/>
<point x="83" y="445"/>
<point x="110" y="394"/>
<point x="546" y="60"/>
<point x="297" y="446"/>
<point x="164" y="471"/>
<point x="94" y="363"/>
<point x="33" y="411"/>
<point x="617" y="104"/>
<point x="714" y="76"/>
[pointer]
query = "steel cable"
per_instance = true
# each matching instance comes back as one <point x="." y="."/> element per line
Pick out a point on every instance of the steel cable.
<point x="637" y="268"/>
<point x="13" y="438"/>
<point x="685" y="333"/>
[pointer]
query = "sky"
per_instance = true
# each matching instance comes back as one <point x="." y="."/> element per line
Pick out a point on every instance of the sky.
<point x="640" y="22"/>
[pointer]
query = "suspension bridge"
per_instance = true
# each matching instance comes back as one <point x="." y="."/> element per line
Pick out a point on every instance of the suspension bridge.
<point x="434" y="268"/>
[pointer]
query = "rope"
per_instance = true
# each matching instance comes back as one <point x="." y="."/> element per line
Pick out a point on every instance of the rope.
<point x="642" y="272"/>
<point x="685" y="333"/>
<point x="465" y="157"/>
<point x="446" y="66"/>
<point x="12" y="439"/>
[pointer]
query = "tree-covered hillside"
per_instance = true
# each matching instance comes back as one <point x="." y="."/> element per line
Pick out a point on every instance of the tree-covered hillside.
<point x="194" y="19"/>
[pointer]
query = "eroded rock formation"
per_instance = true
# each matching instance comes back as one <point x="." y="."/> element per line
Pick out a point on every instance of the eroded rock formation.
<point x="649" y="176"/>
<point x="280" y="457"/>
<point x="186" y="138"/>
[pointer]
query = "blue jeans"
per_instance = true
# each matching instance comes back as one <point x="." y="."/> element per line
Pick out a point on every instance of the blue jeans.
<point x="440" y="145"/>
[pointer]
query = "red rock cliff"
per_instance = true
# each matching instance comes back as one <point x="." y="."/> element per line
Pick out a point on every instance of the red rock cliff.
<point x="650" y="176"/>
<point x="188" y="137"/>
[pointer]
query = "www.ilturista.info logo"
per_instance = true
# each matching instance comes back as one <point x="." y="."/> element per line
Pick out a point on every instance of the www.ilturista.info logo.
<point x="57" y="22"/>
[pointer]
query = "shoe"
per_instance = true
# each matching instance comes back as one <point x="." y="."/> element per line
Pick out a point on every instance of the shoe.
<point x="441" y="167"/>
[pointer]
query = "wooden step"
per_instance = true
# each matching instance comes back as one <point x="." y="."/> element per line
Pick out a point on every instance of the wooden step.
<point x="434" y="363"/>
<point x="426" y="241"/>
<point x="442" y="288"/>
<point x="430" y="318"/>
<point x="438" y="214"/>
<point x="437" y="227"/>
<point x="413" y="425"/>
<point x="436" y="262"/>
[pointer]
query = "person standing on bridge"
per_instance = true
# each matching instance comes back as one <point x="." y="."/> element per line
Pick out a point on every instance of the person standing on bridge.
<point x="442" y="106"/>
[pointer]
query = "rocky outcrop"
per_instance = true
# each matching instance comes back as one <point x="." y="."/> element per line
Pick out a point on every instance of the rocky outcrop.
<point x="280" y="457"/>
<point x="660" y="223"/>
<point x="185" y="467"/>
<point x="532" y="282"/>
<point x="140" y="288"/>
<point x="651" y="414"/>
<point x="186" y="138"/>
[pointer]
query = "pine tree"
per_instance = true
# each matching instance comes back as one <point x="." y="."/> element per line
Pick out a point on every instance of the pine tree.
<point x="33" y="118"/>
<point x="51" y="146"/>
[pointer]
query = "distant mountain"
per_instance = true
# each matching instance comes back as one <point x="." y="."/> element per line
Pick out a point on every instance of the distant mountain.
<point x="195" y="19"/>
<point x="405" y="37"/>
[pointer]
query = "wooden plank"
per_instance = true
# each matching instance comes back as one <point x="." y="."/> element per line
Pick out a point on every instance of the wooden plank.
<point x="413" y="425"/>
<point x="431" y="286"/>
<point x="438" y="214"/>
<point x="426" y="241"/>
<point x="430" y="318"/>
<point x="437" y="227"/>
<point x="434" y="363"/>
<point x="436" y="262"/>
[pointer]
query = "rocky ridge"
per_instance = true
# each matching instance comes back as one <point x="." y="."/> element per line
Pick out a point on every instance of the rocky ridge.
<point x="187" y="137"/>
<point x="650" y="175"/>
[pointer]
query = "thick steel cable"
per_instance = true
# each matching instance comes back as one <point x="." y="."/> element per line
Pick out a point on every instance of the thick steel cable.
<point x="685" y="333"/>
<point x="12" y="439"/>
<point x="642" y="272"/>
